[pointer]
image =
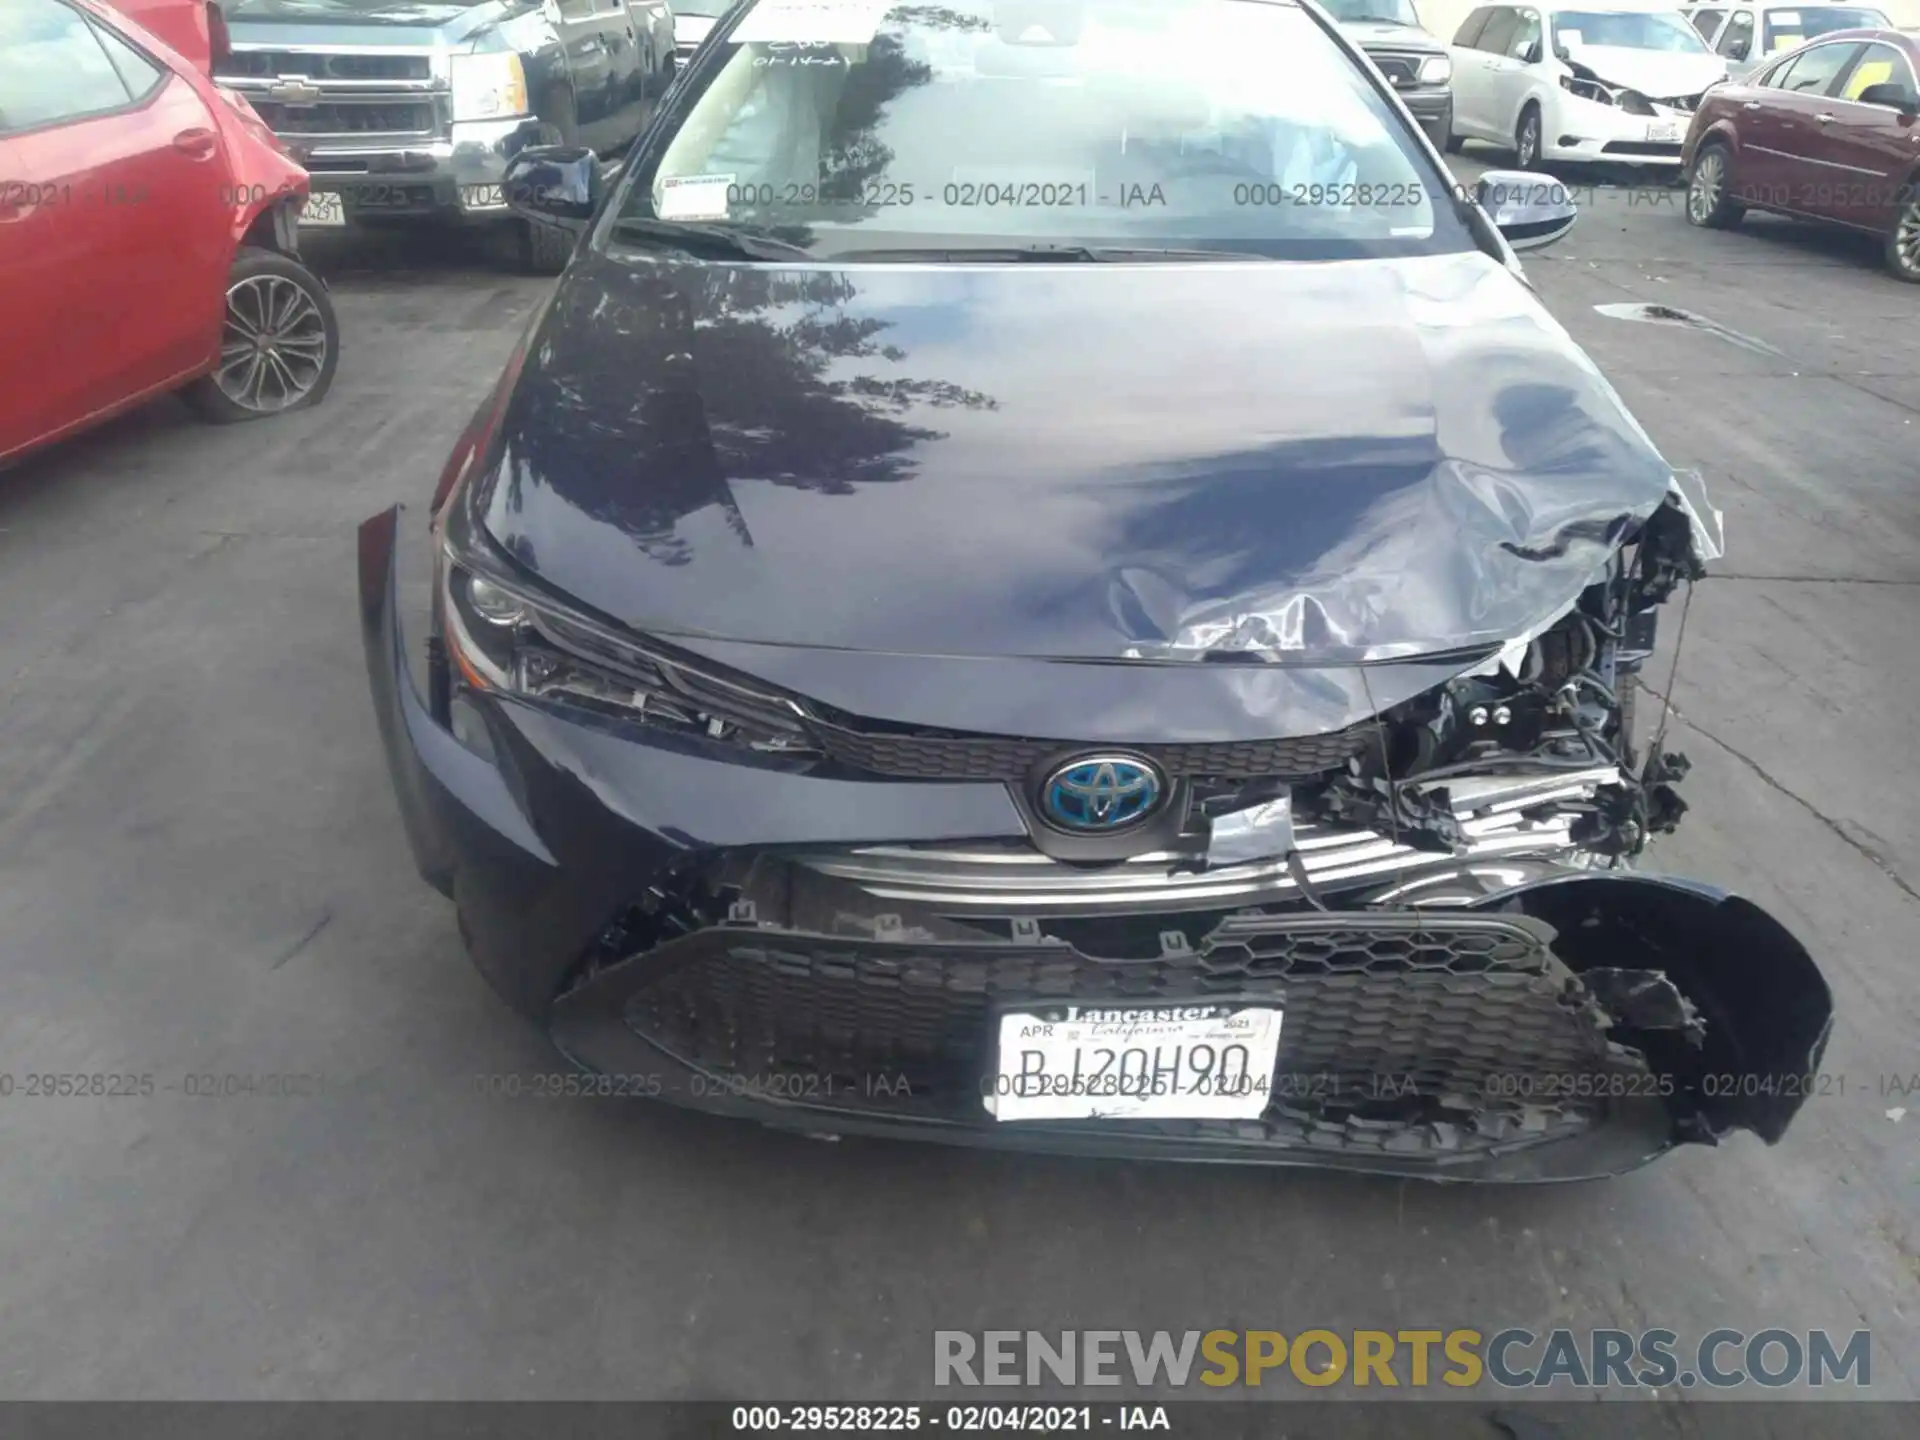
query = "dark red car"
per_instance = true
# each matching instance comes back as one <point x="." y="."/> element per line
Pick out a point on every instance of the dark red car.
<point x="147" y="235"/>
<point x="1828" y="131"/>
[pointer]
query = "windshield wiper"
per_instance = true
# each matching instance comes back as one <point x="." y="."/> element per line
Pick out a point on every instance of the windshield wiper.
<point x="707" y="240"/>
<point x="1165" y="252"/>
<point x="1040" y="255"/>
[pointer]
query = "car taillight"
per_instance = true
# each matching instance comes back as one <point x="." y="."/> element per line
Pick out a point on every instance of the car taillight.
<point x="219" y="45"/>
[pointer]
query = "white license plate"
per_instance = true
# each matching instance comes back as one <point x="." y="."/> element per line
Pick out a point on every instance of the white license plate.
<point x="1198" y="1061"/>
<point x="323" y="208"/>
<point x="1664" y="132"/>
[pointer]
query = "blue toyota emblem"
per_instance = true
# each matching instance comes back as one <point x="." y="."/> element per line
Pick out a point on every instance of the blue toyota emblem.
<point x="1098" y="794"/>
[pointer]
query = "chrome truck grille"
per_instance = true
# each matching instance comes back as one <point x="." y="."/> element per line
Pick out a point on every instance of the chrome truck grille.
<point x="345" y="98"/>
<point x="1502" y="817"/>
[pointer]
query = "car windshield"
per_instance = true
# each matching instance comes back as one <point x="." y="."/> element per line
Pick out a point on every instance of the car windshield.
<point x="1784" y="29"/>
<point x="1058" y="128"/>
<point x="704" y="9"/>
<point x="1388" y="12"/>
<point x="1628" y="30"/>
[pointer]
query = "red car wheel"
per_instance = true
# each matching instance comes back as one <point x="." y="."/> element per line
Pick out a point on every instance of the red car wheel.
<point x="279" y="346"/>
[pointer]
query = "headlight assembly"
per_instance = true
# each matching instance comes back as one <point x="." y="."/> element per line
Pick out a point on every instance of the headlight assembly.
<point x="502" y="638"/>
<point x="1435" y="70"/>
<point x="1587" y="90"/>
<point x="1601" y="93"/>
<point x="488" y="86"/>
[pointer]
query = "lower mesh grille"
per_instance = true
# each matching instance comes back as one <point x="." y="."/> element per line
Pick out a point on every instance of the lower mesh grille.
<point x="1401" y="1032"/>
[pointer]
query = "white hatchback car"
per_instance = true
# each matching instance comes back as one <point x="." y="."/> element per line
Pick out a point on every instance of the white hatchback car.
<point x="1601" y="81"/>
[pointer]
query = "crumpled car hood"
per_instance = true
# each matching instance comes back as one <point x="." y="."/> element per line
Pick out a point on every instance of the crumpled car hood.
<point x="1657" y="74"/>
<point x="1316" y="463"/>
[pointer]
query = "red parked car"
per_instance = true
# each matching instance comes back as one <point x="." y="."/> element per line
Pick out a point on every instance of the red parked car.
<point x="1828" y="131"/>
<point x="147" y="235"/>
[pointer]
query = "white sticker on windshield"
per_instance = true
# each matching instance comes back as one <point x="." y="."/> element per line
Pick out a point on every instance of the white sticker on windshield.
<point x="813" y="22"/>
<point x="694" y="197"/>
<point x="1572" y="37"/>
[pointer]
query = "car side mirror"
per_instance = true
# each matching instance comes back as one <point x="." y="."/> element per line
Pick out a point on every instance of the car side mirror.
<point x="554" y="185"/>
<point x="1528" y="209"/>
<point x="1893" y="96"/>
<point x="1531" y="55"/>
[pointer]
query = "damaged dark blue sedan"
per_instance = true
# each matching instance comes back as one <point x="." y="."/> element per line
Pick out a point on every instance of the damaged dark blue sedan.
<point x="1044" y="580"/>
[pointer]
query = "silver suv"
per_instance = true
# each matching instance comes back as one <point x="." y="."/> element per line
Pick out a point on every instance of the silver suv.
<point x="1415" y="63"/>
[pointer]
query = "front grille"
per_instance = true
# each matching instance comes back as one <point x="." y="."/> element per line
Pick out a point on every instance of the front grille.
<point x="954" y="755"/>
<point x="272" y="64"/>
<point x="1508" y="815"/>
<point x="1639" y="147"/>
<point x="348" y="117"/>
<point x="1454" y="1012"/>
<point x="1401" y="69"/>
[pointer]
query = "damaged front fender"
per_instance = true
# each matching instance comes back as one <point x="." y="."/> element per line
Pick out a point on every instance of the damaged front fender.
<point x="1723" y="1001"/>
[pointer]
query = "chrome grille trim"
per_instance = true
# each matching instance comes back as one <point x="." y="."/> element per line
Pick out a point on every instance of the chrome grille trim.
<point x="421" y="95"/>
<point x="1014" y="879"/>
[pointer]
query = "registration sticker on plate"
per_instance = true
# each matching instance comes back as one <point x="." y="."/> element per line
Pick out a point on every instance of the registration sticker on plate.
<point x="1204" y="1060"/>
<point x="323" y="208"/>
<point x="1663" y="132"/>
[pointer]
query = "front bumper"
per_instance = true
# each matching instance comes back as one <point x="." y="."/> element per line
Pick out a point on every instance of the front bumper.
<point x="1431" y="105"/>
<point x="1579" y="130"/>
<point x="459" y="176"/>
<point x="1532" y="1022"/>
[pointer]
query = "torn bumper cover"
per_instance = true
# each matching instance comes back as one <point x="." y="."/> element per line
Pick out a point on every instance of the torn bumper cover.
<point x="1461" y="1044"/>
<point x="726" y="936"/>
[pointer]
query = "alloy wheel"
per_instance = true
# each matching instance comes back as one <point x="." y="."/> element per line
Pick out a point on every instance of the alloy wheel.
<point x="1529" y="148"/>
<point x="273" y="348"/>
<point x="1708" y="184"/>
<point x="1906" y="239"/>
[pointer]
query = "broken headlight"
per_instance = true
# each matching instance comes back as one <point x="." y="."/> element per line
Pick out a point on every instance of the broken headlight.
<point x="503" y="637"/>
<point x="1601" y="93"/>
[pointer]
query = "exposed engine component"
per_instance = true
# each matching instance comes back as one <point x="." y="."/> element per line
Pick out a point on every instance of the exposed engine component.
<point x="1566" y="700"/>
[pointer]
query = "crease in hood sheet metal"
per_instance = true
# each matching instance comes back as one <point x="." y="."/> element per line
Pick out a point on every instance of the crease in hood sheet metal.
<point x="1313" y="464"/>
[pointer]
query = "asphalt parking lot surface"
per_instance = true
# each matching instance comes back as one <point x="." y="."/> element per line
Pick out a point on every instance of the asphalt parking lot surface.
<point x="202" y="873"/>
